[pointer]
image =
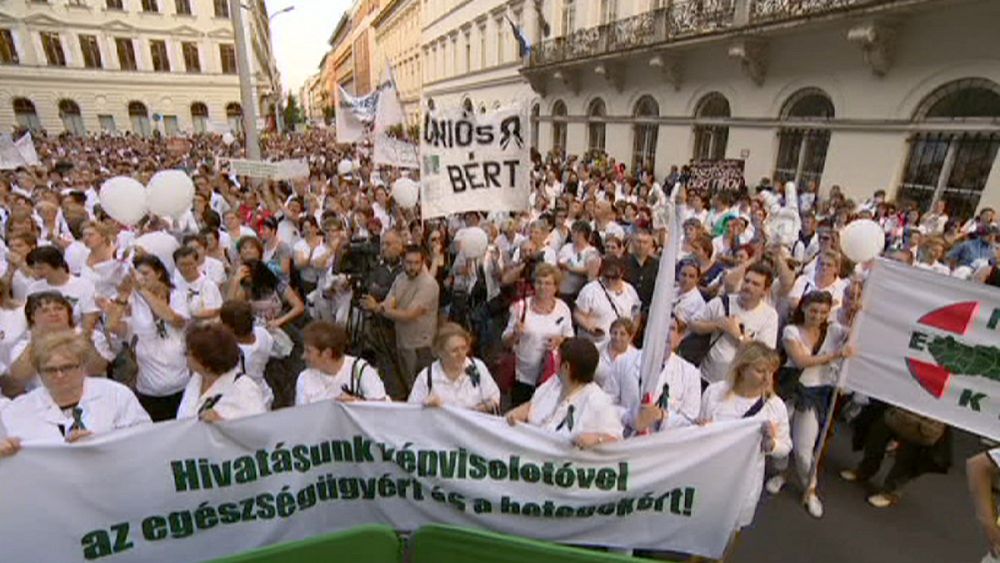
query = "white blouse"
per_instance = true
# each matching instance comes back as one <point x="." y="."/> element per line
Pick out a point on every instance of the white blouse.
<point x="231" y="396"/>
<point x="462" y="391"/>
<point x="314" y="385"/>
<point x="588" y="409"/>
<point x="254" y="358"/>
<point x="105" y="405"/>
<point x="682" y="383"/>
<point x="160" y="352"/>
<point x="538" y="328"/>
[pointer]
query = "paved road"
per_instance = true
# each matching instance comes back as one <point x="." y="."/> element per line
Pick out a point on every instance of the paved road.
<point x="933" y="522"/>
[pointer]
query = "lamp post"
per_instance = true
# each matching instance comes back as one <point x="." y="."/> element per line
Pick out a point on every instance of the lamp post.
<point x="279" y="118"/>
<point x="246" y="93"/>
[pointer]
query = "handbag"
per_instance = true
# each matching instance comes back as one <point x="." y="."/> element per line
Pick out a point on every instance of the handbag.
<point x="125" y="367"/>
<point x="695" y="347"/>
<point x="914" y="428"/>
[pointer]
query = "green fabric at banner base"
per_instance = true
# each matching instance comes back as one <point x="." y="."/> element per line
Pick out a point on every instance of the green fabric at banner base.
<point x="370" y="544"/>
<point x="450" y="544"/>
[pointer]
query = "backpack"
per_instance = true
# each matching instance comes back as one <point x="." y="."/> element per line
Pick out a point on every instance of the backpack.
<point x="695" y="347"/>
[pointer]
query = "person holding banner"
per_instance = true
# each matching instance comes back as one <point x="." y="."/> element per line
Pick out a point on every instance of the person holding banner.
<point x="536" y="327"/>
<point x="814" y="347"/>
<point x="748" y="393"/>
<point x="69" y="406"/>
<point x="571" y="404"/>
<point x="218" y="388"/>
<point x="331" y="374"/>
<point x="676" y="403"/>
<point x="455" y="378"/>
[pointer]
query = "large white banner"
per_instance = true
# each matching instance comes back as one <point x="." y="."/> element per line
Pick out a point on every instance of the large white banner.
<point x="929" y="343"/>
<point x="390" y="151"/>
<point x="188" y="490"/>
<point x="14" y="154"/>
<point x="474" y="162"/>
<point x="282" y="170"/>
<point x="354" y="115"/>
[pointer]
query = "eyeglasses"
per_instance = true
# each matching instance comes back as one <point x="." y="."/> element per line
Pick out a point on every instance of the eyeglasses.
<point x="63" y="369"/>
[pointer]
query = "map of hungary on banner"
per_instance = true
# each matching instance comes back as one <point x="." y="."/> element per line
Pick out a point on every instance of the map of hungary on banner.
<point x="929" y="343"/>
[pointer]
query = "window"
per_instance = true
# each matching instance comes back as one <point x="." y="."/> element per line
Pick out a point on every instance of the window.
<point x="644" y="135"/>
<point x="150" y="6"/>
<point x="170" y="127"/>
<point x="69" y="112"/>
<point x="25" y="115"/>
<point x="953" y="166"/>
<point x="802" y="149"/>
<point x="199" y="117"/>
<point x="191" y="61"/>
<point x="53" y="49"/>
<point x="596" y="112"/>
<point x="91" y="51"/>
<point x="8" y="52"/>
<point x="126" y="53"/>
<point x="482" y="46"/>
<point x="115" y="5"/>
<point x="536" y="110"/>
<point x="221" y="8"/>
<point x="500" y="43"/>
<point x="559" y="126"/>
<point x="107" y="123"/>
<point x="139" y="117"/>
<point x="609" y="11"/>
<point x="568" y="16"/>
<point x="183" y="7"/>
<point x="234" y="116"/>
<point x="710" y="139"/>
<point x="158" y="51"/>
<point x="468" y="53"/>
<point x="228" y="56"/>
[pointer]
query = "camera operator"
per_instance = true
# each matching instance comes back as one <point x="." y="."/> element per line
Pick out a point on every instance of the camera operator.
<point x="412" y="305"/>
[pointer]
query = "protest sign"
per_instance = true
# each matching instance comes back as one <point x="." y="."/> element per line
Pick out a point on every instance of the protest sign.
<point x="395" y="152"/>
<point x="354" y="115"/>
<point x="281" y="170"/>
<point x="474" y="162"/>
<point x="188" y="490"/>
<point x="26" y="146"/>
<point x="929" y="343"/>
<point x="10" y="156"/>
<point x="724" y="175"/>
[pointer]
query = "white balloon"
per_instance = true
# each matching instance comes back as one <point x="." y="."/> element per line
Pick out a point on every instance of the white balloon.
<point x="862" y="240"/>
<point x="170" y="193"/>
<point x="472" y="242"/>
<point x="345" y="167"/>
<point x="406" y="192"/>
<point x="228" y="138"/>
<point x="124" y="200"/>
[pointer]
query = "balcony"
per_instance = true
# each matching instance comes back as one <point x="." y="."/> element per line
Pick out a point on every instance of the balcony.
<point x="690" y="19"/>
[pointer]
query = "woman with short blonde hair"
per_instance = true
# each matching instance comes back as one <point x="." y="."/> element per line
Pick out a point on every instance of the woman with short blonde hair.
<point x="455" y="378"/>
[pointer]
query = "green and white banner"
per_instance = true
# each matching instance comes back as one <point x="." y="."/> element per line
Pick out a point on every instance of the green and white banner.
<point x="188" y="490"/>
<point x="929" y="343"/>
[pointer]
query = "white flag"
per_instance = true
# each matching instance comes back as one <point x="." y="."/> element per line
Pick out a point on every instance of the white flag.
<point x="654" y="343"/>
<point x="354" y="115"/>
<point x="389" y="111"/>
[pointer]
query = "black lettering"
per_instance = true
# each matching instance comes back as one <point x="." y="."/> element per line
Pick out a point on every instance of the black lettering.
<point x="485" y="135"/>
<point x="470" y="172"/>
<point x="511" y="168"/>
<point x="463" y="133"/>
<point x="457" y="178"/>
<point x="490" y="172"/>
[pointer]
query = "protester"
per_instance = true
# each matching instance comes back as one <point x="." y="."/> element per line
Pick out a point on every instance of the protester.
<point x="672" y="400"/>
<point x="255" y="344"/>
<point x="217" y="389"/>
<point x="605" y="300"/>
<point x="333" y="374"/>
<point x="455" y="378"/>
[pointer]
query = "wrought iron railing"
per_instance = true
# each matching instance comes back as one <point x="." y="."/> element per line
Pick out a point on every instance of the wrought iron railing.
<point x="679" y="20"/>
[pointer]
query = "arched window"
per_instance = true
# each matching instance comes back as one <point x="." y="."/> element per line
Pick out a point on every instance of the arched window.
<point x="596" y="112"/>
<point x="710" y="138"/>
<point x="199" y="117"/>
<point x="25" y="115"/>
<point x="536" y="110"/>
<point x="139" y="117"/>
<point x="234" y="116"/>
<point x="953" y="166"/>
<point x="559" y="125"/>
<point x="644" y="134"/>
<point x="69" y="112"/>
<point x="802" y="146"/>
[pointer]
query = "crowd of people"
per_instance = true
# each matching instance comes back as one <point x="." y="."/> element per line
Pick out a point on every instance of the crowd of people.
<point x="272" y="294"/>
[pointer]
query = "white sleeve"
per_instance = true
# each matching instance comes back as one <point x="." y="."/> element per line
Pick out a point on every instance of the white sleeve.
<point x="211" y="296"/>
<point x="371" y="384"/>
<point x="778" y="414"/>
<point x="87" y="303"/>
<point x="179" y="304"/>
<point x="130" y="412"/>
<point x="690" y="403"/>
<point x="300" y="391"/>
<point x="769" y="334"/>
<point x="420" y="391"/>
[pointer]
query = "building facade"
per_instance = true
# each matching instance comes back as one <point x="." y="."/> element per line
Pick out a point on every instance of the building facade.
<point x="397" y="45"/>
<point x="470" y="56"/>
<point x="901" y="95"/>
<point x="87" y="66"/>
<point x="312" y="98"/>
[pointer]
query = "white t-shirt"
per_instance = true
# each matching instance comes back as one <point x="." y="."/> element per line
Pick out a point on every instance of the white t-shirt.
<point x="254" y="358"/>
<point x="105" y="406"/>
<point x="688" y="305"/>
<point x="461" y="392"/>
<point x="611" y="372"/>
<point x="106" y="276"/>
<point x="79" y="292"/>
<point x="310" y="273"/>
<point x="13" y="327"/>
<point x="827" y="374"/>
<point x="232" y="396"/>
<point x="759" y="323"/>
<point x="200" y="295"/>
<point x="589" y="409"/>
<point x="719" y="404"/>
<point x="159" y="352"/>
<point x="314" y="386"/>
<point x="533" y="345"/>
<point x="607" y="305"/>
<point x="568" y="256"/>
<point x="20" y="285"/>
<point x="214" y="269"/>
<point x="805" y="284"/>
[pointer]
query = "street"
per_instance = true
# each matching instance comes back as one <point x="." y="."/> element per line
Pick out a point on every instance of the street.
<point x="933" y="521"/>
